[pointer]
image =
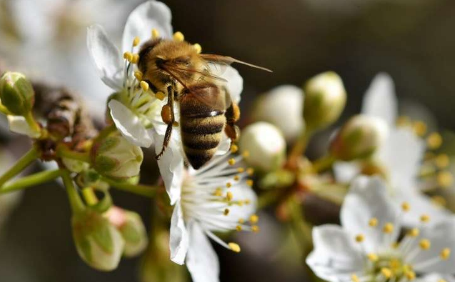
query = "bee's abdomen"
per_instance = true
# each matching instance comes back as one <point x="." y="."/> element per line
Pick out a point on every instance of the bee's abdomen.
<point x="201" y="136"/>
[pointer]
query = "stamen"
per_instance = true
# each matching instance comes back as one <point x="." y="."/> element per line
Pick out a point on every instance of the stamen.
<point x="236" y="178"/>
<point x="249" y="182"/>
<point x="245" y="154"/>
<point x="136" y="41"/>
<point x="234" y="148"/>
<point x="229" y="185"/>
<point x="254" y="219"/>
<point x="434" y="140"/>
<point x="442" y="161"/>
<point x="144" y="85"/>
<point x="386" y="272"/>
<point x="373" y="257"/>
<point x="240" y="170"/>
<point x="444" y="179"/>
<point x="405" y="206"/>
<point x="424" y="218"/>
<point x="198" y="48"/>
<point x="178" y="36"/>
<point x="410" y="275"/>
<point x="241" y="221"/>
<point x="155" y="33"/>
<point x="226" y="212"/>
<point x="218" y="192"/>
<point x="135" y="58"/>
<point x="229" y="196"/>
<point x="138" y="75"/>
<point x="442" y="280"/>
<point x="445" y="254"/>
<point x="425" y="244"/>
<point x="403" y="121"/>
<point x="160" y="95"/>
<point x="439" y="200"/>
<point x="359" y="238"/>
<point x="238" y="228"/>
<point x="250" y="171"/>
<point x="255" y="228"/>
<point x="373" y="222"/>
<point x="247" y="202"/>
<point x="420" y="128"/>
<point x="355" y="278"/>
<point x="231" y="161"/>
<point x="388" y="228"/>
<point x="414" y="232"/>
<point x="128" y="56"/>
<point x="234" y="247"/>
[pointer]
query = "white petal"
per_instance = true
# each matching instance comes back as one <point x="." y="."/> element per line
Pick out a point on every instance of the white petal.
<point x="225" y="145"/>
<point x="170" y="165"/>
<point x="178" y="237"/>
<point x="234" y="83"/>
<point x="401" y="154"/>
<point x="202" y="261"/>
<point x="335" y="256"/>
<point x="367" y="198"/>
<point x="129" y="125"/>
<point x="435" y="277"/>
<point x="345" y="172"/>
<point x="19" y="125"/>
<point x="441" y="236"/>
<point x="380" y="100"/>
<point x="143" y="19"/>
<point x="106" y="57"/>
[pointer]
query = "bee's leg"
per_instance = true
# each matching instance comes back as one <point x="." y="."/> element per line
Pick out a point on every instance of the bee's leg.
<point x="168" y="116"/>
<point x="232" y="116"/>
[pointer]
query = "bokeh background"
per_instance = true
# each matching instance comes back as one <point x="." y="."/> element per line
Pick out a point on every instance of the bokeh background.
<point x="412" y="40"/>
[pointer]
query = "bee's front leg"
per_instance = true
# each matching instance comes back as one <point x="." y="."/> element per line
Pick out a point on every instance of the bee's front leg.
<point x="168" y="116"/>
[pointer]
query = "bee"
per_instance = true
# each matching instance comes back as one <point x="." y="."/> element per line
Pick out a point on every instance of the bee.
<point x="178" y="69"/>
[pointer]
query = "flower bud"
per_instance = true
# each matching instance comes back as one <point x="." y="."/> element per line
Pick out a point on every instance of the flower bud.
<point x="270" y="108"/>
<point x="97" y="241"/>
<point x="115" y="157"/>
<point x="16" y="93"/>
<point x="131" y="228"/>
<point x="325" y="98"/>
<point x="265" y="144"/>
<point x="359" y="138"/>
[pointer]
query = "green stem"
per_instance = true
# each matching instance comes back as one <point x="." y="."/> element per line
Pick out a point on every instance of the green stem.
<point x="300" y="145"/>
<point x="32" y="122"/>
<point x="89" y="196"/>
<point x="31" y="180"/>
<point x="323" y="163"/>
<point x="105" y="132"/>
<point x="75" y="200"/>
<point x="142" y="190"/>
<point x="19" y="166"/>
<point x="64" y="152"/>
<point x="4" y="110"/>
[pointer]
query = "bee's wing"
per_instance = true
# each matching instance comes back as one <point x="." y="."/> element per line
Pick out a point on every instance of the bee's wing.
<point x="183" y="73"/>
<point x="226" y="60"/>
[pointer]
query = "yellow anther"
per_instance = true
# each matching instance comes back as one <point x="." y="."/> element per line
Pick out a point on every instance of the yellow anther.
<point x="238" y="228"/>
<point x="434" y="140"/>
<point x="178" y="36"/>
<point x="128" y="56"/>
<point x="231" y="161"/>
<point x="250" y="182"/>
<point x="442" y="161"/>
<point x="160" y="95"/>
<point x="388" y="228"/>
<point x="442" y="280"/>
<point x="439" y="200"/>
<point x="386" y="272"/>
<point x="373" y="222"/>
<point x="414" y="232"/>
<point x="373" y="257"/>
<point x="425" y="244"/>
<point x="359" y="238"/>
<point x="405" y="206"/>
<point x="229" y="196"/>
<point x="410" y="275"/>
<point x="155" y="33"/>
<point x="355" y="278"/>
<point x="403" y="121"/>
<point x="144" y="85"/>
<point x="236" y="178"/>
<point x="444" y="179"/>
<point x="234" y="148"/>
<point x="136" y="41"/>
<point x="138" y="75"/>
<point x="135" y="58"/>
<point x="226" y="212"/>
<point x="241" y="221"/>
<point x="420" y="128"/>
<point x="254" y="219"/>
<point x="247" y="202"/>
<point x="255" y="228"/>
<point x="445" y="253"/>
<point x="240" y="169"/>
<point x="218" y="192"/>
<point x="229" y="185"/>
<point x="234" y="247"/>
<point x="245" y="154"/>
<point x="424" y="218"/>
<point x="250" y="171"/>
<point x="198" y="48"/>
<point x="395" y="245"/>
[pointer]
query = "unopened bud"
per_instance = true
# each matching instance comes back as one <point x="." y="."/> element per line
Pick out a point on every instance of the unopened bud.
<point x="359" y="138"/>
<point x="115" y="157"/>
<point x="97" y="241"/>
<point x="131" y="228"/>
<point x="16" y="93"/>
<point x="265" y="145"/>
<point x="325" y="98"/>
<point x="271" y="107"/>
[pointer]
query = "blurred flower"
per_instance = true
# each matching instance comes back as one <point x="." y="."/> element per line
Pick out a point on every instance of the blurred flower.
<point x="325" y="98"/>
<point x="265" y="145"/>
<point x="271" y="105"/>
<point x="367" y="246"/>
<point x="216" y="198"/>
<point x="131" y="228"/>
<point x="97" y="241"/>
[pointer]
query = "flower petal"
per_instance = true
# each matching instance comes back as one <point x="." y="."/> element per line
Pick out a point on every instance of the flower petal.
<point x="202" y="261"/>
<point x="345" y="172"/>
<point x="178" y="237"/>
<point x="18" y="124"/>
<point x="435" y="277"/>
<point x="335" y="256"/>
<point x="129" y="125"/>
<point x="106" y="57"/>
<point x="234" y="83"/>
<point x="143" y="19"/>
<point x="367" y="198"/>
<point x="380" y="100"/>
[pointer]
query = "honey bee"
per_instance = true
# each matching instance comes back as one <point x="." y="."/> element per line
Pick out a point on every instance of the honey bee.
<point x="177" y="69"/>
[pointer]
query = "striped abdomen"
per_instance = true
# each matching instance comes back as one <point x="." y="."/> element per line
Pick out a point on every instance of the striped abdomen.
<point x="202" y="122"/>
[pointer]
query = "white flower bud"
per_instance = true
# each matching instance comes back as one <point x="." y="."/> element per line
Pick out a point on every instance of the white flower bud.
<point x="115" y="157"/>
<point x="283" y="107"/>
<point x="325" y="98"/>
<point x="97" y="241"/>
<point x="16" y="93"/>
<point x="265" y="144"/>
<point x="359" y="137"/>
<point x="131" y="228"/>
<point x="75" y="165"/>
